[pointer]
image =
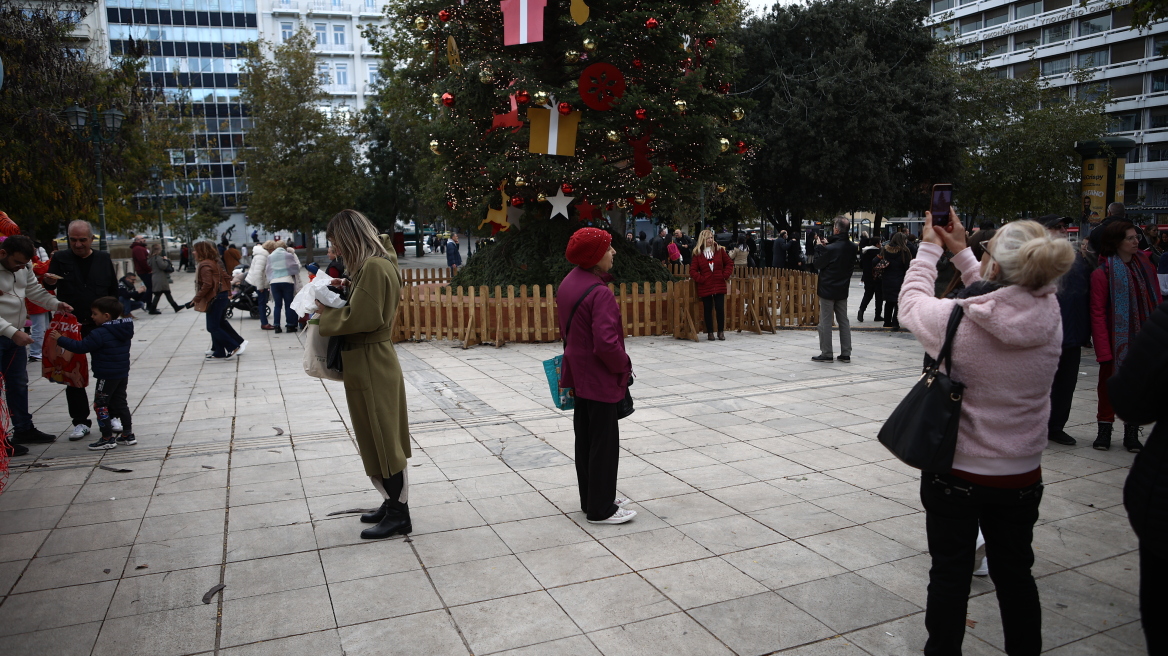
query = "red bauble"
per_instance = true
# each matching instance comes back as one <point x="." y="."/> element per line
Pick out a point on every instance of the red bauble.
<point x="567" y="188"/>
<point x="723" y="88"/>
<point x="673" y="166"/>
<point x="448" y="99"/>
<point x="523" y="97"/>
<point x="717" y="1"/>
<point x="742" y="148"/>
<point x="444" y="15"/>
<point x="641" y="114"/>
<point x="637" y="63"/>
<point x="601" y="86"/>
<point x="516" y="201"/>
<point x="710" y="42"/>
<point x="450" y="204"/>
<point x="651" y="24"/>
<point x="564" y="108"/>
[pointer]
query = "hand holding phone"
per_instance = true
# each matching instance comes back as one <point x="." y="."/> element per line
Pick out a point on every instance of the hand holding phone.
<point x="941" y="203"/>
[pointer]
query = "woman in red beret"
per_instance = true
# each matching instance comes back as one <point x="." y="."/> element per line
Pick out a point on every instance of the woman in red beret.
<point x="711" y="268"/>
<point x="596" y="365"/>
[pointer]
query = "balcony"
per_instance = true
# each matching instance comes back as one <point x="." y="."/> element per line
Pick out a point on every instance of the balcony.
<point x="334" y="47"/>
<point x="340" y="89"/>
<point x="285" y="7"/>
<point x="328" y="7"/>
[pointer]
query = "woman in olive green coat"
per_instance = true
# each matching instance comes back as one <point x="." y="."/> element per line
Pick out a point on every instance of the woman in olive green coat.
<point x="374" y="386"/>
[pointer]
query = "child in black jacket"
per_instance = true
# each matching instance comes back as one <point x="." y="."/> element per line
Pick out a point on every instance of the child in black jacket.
<point x="109" y="343"/>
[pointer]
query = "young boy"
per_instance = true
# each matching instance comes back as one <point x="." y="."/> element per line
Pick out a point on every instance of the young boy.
<point x="110" y="345"/>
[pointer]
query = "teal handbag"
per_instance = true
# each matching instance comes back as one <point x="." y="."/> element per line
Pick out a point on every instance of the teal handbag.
<point x="563" y="397"/>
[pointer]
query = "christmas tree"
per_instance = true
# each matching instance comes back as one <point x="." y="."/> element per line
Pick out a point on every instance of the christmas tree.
<point x="575" y="111"/>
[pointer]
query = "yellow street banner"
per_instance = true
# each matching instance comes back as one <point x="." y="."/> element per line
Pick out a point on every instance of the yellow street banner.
<point x="1094" y="189"/>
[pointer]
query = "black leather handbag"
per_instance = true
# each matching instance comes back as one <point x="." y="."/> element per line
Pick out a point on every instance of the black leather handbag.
<point x="922" y="430"/>
<point x="624" y="407"/>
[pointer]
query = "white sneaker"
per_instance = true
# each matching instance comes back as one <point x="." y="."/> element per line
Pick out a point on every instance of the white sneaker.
<point x="79" y="431"/>
<point x="619" y="517"/>
<point x="116" y="424"/>
<point x="979" y="556"/>
<point x="208" y="352"/>
<point x="242" y="348"/>
<point x="621" y="502"/>
<point x="984" y="570"/>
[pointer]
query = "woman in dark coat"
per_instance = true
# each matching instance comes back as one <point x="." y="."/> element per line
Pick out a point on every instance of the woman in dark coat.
<point x="160" y="269"/>
<point x="869" y="252"/>
<point x="212" y="285"/>
<point x="596" y="366"/>
<point x="898" y="257"/>
<point x="711" y="268"/>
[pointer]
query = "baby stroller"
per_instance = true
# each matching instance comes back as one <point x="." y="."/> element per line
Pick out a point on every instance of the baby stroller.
<point x="245" y="298"/>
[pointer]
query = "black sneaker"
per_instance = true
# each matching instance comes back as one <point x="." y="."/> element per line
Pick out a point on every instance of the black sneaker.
<point x="822" y="358"/>
<point x="15" y="450"/>
<point x="32" y="436"/>
<point x="844" y="358"/>
<point x="103" y="444"/>
<point x="1062" y="438"/>
<point x="127" y="440"/>
<point x="278" y="330"/>
<point x="1131" y="438"/>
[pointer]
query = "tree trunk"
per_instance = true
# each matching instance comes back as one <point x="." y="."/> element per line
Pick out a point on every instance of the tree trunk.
<point x="876" y="223"/>
<point x="309" y="242"/>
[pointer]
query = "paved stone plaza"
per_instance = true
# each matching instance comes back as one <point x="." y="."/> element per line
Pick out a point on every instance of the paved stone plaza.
<point x="769" y="517"/>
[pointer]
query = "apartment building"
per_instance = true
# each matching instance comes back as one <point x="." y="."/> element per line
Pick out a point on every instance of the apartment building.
<point x="1056" y="37"/>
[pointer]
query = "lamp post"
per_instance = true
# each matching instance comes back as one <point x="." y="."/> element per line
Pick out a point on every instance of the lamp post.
<point x="98" y="129"/>
<point x="156" y="178"/>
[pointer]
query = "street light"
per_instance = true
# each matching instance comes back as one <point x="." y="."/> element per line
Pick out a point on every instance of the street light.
<point x="98" y="129"/>
<point x="156" y="177"/>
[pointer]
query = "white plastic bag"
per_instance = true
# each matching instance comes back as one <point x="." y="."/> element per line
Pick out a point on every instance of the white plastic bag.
<point x="316" y="352"/>
<point x="317" y="290"/>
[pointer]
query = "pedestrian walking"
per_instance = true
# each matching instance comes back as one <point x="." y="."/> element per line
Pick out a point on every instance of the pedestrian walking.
<point x="140" y="254"/>
<point x="211" y="296"/>
<point x="894" y="261"/>
<point x="231" y="258"/>
<point x="835" y="257"/>
<point x="1005" y="352"/>
<point x="596" y="366"/>
<point x="453" y="256"/>
<point x="711" y="269"/>
<point x="642" y="244"/>
<point x="283" y="270"/>
<point x="374" y="387"/>
<point x="257" y="276"/>
<point x="184" y="257"/>
<point x="1074" y="299"/>
<point x="740" y="255"/>
<point x="1138" y="392"/>
<point x="1124" y="292"/>
<point x="779" y="251"/>
<point x="659" y="245"/>
<point x="873" y="286"/>
<point x="81" y="275"/>
<point x="160" y="270"/>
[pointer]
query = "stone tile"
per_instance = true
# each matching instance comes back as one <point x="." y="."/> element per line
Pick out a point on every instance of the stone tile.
<point x="652" y="486"/>
<point x="177" y="631"/>
<point x="277" y="615"/>
<point x="321" y="643"/>
<point x="183" y="553"/>
<point x="1097" y="645"/>
<point x="459" y="546"/>
<point x="164" y="591"/>
<point x="810" y="487"/>
<point x="647" y="549"/>
<point x="380" y="597"/>
<point x="75" y="640"/>
<point x="727" y="534"/>
<point x="184" y="502"/>
<point x="367" y="559"/>
<point x="49" y="609"/>
<point x="908" y="635"/>
<point x="833" y="647"/>
<point x="540" y="533"/>
<point x="909" y="578"/>
<point x="38" y="497"/>
<point x="798" y="520"/>
<point x="90" y="537"/>
<point x="702" y="582"/>
<point x="265" y="515"/>
<point x="21" y="546"/>
<point x="863" y="507"/>
<point x="37" y="519"/>
<point x="267" y="492"/>
<point x="73" y="569"/>
<point x="760" y="624"/>
<point x="847" y="602"/>
<point x="676" y="634"/>
<point x="687" y="508"/>
<point x="446" y="517"/>
<point x="613" y="601"/>
<point x="1087" y="601"/>
<point x="427" y="634"/>
<point x="512" y="622"/>
<point x="186" y="525"/>
<point x="908" y="530"/>
<point x="273" y="541"/>
<point x="1057" y="630"/>
<point x="572" y="563"/>
<point x="1071" y="549"/>
<point x="574" y="646"/>
<point x="713" y="477"/>
<point x="250" y="475"/>
<point x="10" y="571"/>
<point x="752" y="496"/>
<point x="496" y="510"/>
<point x="480" y="580"/>
<point x="275" y="574"/>
<point x="1121" y="571"/>
<point x="497" y="485"/>
<point x="857" y="547"/>
<point x="201" y="479"/>
<point x="1129" y="634"/>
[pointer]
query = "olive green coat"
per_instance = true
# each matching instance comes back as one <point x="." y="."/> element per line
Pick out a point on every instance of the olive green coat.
<point x="373" y="378"/>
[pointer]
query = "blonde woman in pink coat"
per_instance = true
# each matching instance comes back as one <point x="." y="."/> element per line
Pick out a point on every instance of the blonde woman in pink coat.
<point x="1005" y="351"/>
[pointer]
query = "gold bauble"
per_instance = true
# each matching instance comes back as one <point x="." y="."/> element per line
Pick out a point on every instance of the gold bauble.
<point x="520" y="182"/>
<point x="571" y="56"/>
<point x="539" y="198"/>
<point x="540" y="98"/>
<point x="486" y="76"/>
<point x="436" y="98"/>
<point x="640" y="200"/>
<point x="426" y="45"/>
<point x="589" y="45"/>
<point x="652" y="195"/>
<point x="724" y="144"/>
<point x="420" y="23"/>
<point x="620" y="202"/>
<point x="737" y="113"/>
<point x="434" y="147"/>
<point x="612" y="136"/>
<point x="721" y="188"/>
<point x="680" y="105"/>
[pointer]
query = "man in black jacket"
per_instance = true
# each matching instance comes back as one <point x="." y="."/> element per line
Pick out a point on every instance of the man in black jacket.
<point x="1074" y="299"/>
<point x="658" y="244"/>
<point x="684" y="244"/>
<point x="80" y="275"/>
<point x="779" y="252"/>
<point x="1115" y="212"/>
<point x="835" y="257"/>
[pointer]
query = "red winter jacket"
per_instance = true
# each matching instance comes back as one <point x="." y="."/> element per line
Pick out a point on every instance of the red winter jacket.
<point x="1101" y="328"/>
<point x="710" y="282"/>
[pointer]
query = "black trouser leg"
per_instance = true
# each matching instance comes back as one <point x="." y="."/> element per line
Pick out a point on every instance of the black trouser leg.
<point x="868" y="294"/>
<point x="708" y="310"/>
<point x="881" y="308"/>
<point x="1145" y="498"/>
<point x="78" y="401"/>
<point x="1062" y="390"/>
<point x="119" y="407"/>
<point x="147" y="282"/>
<point x="597" y="456"/>
<point x="720" y="310"/>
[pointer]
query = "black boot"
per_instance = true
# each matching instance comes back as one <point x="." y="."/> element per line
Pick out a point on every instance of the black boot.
<point x="376" y="515"/>
<point x="395" y="521"/>
<point x="1103" y="441"/>
<point x="1131" y="438"/>
<point x="860" y="316"/>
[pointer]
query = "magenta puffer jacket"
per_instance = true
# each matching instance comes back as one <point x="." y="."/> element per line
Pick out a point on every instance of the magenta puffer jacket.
<point x="595" y="362"/>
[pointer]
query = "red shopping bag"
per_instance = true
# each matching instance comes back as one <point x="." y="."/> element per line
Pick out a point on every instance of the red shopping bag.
<point x="59" y="365"/>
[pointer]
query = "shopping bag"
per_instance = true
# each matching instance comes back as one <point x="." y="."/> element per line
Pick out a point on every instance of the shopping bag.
<point x="316" y="352"/>
<point x="563" y="397"/>
<point x="59" y="365"/>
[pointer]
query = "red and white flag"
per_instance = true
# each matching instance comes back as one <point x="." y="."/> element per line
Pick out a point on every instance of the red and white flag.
<point x="522" y="21"/>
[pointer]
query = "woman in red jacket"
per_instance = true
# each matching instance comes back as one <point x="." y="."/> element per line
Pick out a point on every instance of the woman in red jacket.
<point x="1124" y="292"/>
<point x="711" y="268"/>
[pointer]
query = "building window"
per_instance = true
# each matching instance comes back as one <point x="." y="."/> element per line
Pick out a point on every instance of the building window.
<point x="1026" y="9"/>
<point x="1133" y="157"/>
<point x="942" y="5"/>
<point x="970" y="54"/>
<point x="942" y="31"/>
<point x="1095" y="25"/>
<point x="285" y="31"/>
<point x="1051" y="5"/>
<point x="374" y="74"/>
<point x="1025" y="70"/>
<point x="1158" y="152"/>
<point x="321" y="33"/>
<point x="1028" y="39"/>
<point x="1056" y="33"/>
<point x="1093" y="58"/>
<point x="342" y="73"/>
<point x="1159" y="82"/>
<point x="178" y="157"/>
<point x="322" y="72"/>
<point x="971" y="24"/>
<point x="1158" y="118"/>
<point x="1056" y="66"/>
<point x="371" y="4"/>
<point x="1131" y="85"/>
<point x="997" y="16"/>
<point x="1128" y="50"/>
<point x="70" y="16"/>
<point x="339" y="35"/>
<point x="1126" y="122"/>
<point x="994" y="46"/>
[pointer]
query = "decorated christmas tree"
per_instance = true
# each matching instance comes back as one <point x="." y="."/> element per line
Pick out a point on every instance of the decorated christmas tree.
<point x="574" y="111"/>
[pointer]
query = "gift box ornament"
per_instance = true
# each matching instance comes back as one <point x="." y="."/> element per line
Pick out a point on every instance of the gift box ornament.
<point x="553" y="133"/>
<point x="522" y="21"/>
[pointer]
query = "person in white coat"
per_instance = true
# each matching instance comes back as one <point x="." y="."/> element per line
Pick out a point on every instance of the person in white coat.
<point x="257" y="276"/>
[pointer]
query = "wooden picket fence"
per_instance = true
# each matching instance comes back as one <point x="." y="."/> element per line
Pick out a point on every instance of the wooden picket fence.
<point x="435" y="276"/>
<point x="476" y="315"/>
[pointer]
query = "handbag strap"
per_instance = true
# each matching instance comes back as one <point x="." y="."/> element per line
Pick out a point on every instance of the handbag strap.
<point x="946" y="354"/>
<point x="572" y="314"/>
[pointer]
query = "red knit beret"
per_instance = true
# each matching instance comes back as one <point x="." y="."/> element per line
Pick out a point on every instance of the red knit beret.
<point x="587" y="247"/>
<point x="8" y="227"/>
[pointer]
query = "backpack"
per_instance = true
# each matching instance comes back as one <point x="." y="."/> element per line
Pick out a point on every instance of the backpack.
<point x="674" y="253"/>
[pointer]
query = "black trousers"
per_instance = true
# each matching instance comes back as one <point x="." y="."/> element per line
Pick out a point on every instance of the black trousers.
<point x="147" y="282"/>
<point x="954" y="508"/>
<point x="1062" y="390"/>
<point x="1145" y="497"/>
<point x="109" y="402"/>
<point x="870" y="292"/>
<point x="597" y="456"/>
<point x="711" y="304"/>
<point x="892" y="313"/>
<point x="158" y="296"/>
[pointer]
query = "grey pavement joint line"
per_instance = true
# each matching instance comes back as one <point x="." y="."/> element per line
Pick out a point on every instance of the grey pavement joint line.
<point x="226" y="525"/>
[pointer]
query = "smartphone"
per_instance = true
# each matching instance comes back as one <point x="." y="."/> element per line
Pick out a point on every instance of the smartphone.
<point x="942" y="201"/>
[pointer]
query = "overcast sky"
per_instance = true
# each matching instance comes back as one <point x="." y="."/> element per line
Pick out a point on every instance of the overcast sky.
<point x="760" y="5"/>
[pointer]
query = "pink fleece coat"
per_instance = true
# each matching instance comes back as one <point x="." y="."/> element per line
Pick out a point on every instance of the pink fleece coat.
<point x="1005" y="352"/>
